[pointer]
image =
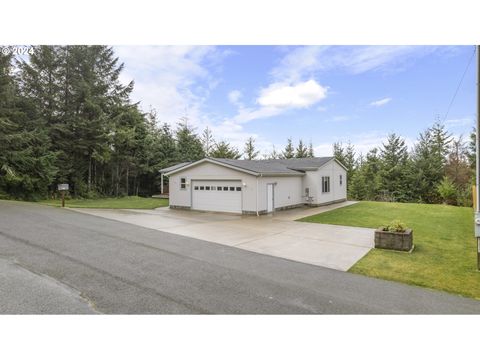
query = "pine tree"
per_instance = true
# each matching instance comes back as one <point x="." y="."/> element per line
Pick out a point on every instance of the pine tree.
<point x="339" y="152"/>
<point x="366" y="181"/>
<point x="207" y="141"/>
<point x="311" y="152"/>
<point x="429" y="160"/>
<point x="289" y="151"/>
<point x="347" y="157"/>
<point x="250" y="152"/>
<point x="301" y="150"/>
<point x="223" y="150"/>
<point x="189" y="145"/>
<point x="26" y="163"/>
<point x="395" y="170"/>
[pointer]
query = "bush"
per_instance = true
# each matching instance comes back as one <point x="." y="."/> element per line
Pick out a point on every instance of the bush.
<point x="447" y="191"/>
<point x="395" y="226"/>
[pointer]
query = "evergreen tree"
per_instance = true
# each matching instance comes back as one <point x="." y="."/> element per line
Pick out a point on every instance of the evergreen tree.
<point x="189" y="145"/>
<point x="274" y="154"/>
<point x="429" y="160"/>
<point x="26" y="163"/>
<point x="289" y="151"/>
<point x="250" y="152"/>
<point x="311" y="152"/>
<point x="347" y="157"/>
<point x="339" y="152"/>
<point x="223" y="150"/>
<point x="394" y="171"/>
<point x="301" y="151"/>
<point x="366" y="181"/>
<point x="207" y="141"/>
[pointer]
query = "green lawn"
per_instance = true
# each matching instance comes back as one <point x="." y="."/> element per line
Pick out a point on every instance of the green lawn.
<point x="445" y="254"/>
<point x="127" y="202"/>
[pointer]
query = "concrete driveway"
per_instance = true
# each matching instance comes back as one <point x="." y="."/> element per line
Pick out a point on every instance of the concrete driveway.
<point x="332" y="246"/>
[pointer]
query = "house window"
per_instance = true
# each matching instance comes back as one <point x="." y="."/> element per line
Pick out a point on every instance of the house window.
<point x="232" y="188"/>
<point x="325" y="184"/>
<point x="214" y="188"/>
<point x="196" y="187"/>
<point x="183" y="183"/>
<point x="341" y="180"/>
<point x="225" y="188"/>
<point x="207" y="187"/>
<point x="201" y="187"/>
<point x="219" y="188"/>
<point x="239" y="188"/>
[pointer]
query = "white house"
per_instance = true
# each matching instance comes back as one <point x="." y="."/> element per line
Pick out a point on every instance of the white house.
<point x="256" y="186"/>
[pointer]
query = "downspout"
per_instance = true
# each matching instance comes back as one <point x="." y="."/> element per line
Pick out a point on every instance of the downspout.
<point x="256" y="197"/>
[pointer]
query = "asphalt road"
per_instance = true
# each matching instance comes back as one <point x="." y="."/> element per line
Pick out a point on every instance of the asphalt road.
<point x="59" y="261"/>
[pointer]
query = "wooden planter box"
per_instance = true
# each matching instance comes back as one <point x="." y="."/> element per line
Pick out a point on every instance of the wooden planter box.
<point x="402" y="241"/>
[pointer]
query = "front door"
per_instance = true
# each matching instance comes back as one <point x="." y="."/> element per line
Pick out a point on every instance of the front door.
<point x="270" y="199"/>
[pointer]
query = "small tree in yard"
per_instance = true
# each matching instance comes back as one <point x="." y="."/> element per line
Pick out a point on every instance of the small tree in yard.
<point x="447" y="191"/>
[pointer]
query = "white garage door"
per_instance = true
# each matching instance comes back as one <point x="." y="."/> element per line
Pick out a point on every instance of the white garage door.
<point x="216" y="195"/>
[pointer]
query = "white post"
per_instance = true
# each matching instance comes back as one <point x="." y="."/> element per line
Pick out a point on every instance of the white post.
<point x="161" y="183"/>
<point x="477" y="175"/>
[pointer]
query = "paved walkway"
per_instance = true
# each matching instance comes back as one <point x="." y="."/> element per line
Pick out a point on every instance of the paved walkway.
<point x="332" y="246"/>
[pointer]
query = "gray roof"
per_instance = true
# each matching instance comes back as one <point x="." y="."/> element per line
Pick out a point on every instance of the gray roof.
<point x="278" y="166"/>
<point x="175" y="167"/>
<point x="292" y="166"/>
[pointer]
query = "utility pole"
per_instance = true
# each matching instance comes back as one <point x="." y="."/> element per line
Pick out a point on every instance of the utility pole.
<point x="477" y="182"/>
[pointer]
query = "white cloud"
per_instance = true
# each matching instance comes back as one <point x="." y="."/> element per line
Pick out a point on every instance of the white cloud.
<point x="175" y="80"/>
<point x="300" y="95"/>
<point x="461" y="122"/>
<point x="362" y="142"/>
<point x="305" y="61"/>
<point x="337" y="118"/>
<point x="381" y="102"/>
<point x="234" y="97"/>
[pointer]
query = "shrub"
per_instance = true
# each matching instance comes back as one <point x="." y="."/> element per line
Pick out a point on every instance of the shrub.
<point x="447" y="191"/>
<point x="395" y="226"/>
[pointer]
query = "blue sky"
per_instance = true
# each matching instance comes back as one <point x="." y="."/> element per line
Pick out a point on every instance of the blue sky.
<point x="320" y="94"/>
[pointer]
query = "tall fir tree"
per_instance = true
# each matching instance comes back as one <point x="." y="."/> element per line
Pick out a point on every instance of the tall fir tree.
<point x="223" y="150"/>
<point x="429" y="160"/>
<point x="189" y="145"/>
<point x="311" y="152"/>
<point x="207" y="141"/>
<point x="26" y="162"/>
<point x="301" y="151"/>
<point x="250" y="153"/>
<point x="395" y="170"/>
<point x="289" y="151"/>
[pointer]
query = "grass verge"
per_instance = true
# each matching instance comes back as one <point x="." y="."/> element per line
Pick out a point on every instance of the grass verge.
<point x="445" y="252"/>
<point x="127" y="202"/>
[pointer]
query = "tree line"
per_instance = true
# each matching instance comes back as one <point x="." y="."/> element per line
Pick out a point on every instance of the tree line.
<point x="439" y="169"/>
<point x="65" y="117"/>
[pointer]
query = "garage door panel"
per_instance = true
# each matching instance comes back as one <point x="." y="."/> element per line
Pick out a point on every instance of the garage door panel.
<point x="216" y="195"/>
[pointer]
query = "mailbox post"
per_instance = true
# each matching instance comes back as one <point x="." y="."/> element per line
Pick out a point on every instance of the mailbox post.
<point x="63" y="188"/>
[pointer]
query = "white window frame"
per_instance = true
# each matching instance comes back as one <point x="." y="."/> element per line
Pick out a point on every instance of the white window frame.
<point x="183" y="183"/>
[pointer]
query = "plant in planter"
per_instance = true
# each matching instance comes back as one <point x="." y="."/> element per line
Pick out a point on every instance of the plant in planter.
<point x="394" y="236"/>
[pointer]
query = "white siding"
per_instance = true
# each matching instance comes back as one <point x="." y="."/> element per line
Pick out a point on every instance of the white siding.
<point x="337" y="191"/>
<point x="287" y="191"/>
<point x="209" y="171"/>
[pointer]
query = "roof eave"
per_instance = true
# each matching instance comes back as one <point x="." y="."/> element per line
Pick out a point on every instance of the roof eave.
<point x="198" y="162"/>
